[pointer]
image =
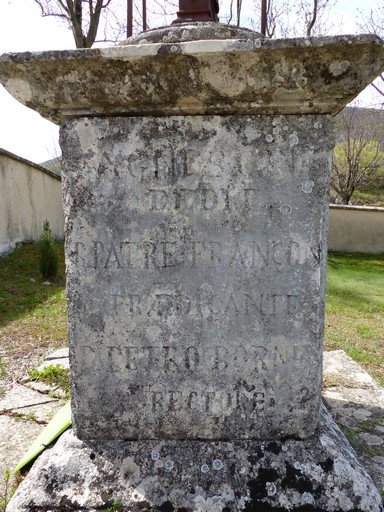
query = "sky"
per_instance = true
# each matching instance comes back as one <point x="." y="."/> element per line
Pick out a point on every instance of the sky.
<point x="26" y="133"/>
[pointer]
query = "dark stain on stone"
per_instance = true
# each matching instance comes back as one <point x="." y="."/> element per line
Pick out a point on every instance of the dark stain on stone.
<point x="254" y="458"/>
<point x="166" y="507"/>
<point x="295" y="479"/>
<point x="261" y="506"/>
<point x="144" y="505"/>
<point x="257" y="487"/>
<point x="274" y="447"/>
<point x="166" y="49"/>
<point x="327" y="465"/>
<point x="232" y="469"/>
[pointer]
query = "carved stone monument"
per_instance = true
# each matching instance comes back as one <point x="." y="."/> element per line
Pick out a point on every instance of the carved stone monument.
<point x="196" y="184"/>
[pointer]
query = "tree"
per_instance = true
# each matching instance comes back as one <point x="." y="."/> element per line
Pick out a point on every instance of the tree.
<point x="285" y="18"/>
<point x="82" y="16"/>
<point x="86" y="18"/>
<point x="374" y="24"/>
<point x="358" y="158"/>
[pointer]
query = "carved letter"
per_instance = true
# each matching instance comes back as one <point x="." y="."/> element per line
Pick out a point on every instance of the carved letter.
<point x="149" y="254"/>
<point x="159" y="199"/>
<point x="170" y="359"/>
<point x="157" y="401"/>
<point x="168" y="260"/>
<point x="131" y="353"/>
<point x="115" y="260"/>
<point x="237" y="257"/>
<point x="96" y="253"/>
<point x="192" y="358"/>
<point x="208" y="198"/>
<point x="259" y="259"/>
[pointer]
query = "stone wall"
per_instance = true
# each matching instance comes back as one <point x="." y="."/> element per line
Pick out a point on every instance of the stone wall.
<point x="356" y="229"/>
<point x="29" y="194"/>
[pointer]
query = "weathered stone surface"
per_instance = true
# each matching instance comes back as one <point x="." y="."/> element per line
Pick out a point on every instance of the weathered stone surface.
<point x="318" y="474"/>
<point x="357" y="404"/>
<point x="62" y="361"/>
<point x="21" y="397"/>
<point x="200" y="31"/>
<point x="60" y="353"/>
<point x="242" y="75"/>
<point x="23" y="413"/>
<point x="16" y="437"/>
<point x="195" y="269"/>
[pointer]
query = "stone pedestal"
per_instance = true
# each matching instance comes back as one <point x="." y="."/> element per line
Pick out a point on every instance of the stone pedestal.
<point x="196" y="198"/>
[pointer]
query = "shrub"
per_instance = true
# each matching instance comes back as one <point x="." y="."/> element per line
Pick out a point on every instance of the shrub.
<point x="48" y="258"/>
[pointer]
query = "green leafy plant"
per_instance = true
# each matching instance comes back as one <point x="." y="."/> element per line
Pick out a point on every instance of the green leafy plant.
<point x="55" y="375"/>
<point x="116" y="507"/>
<point x="48" y="258"/>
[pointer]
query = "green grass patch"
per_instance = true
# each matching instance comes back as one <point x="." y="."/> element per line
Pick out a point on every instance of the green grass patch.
<point x="355" y="309"/>
<point x="372" y="196"/>
<point x="355" y="284"/>
<point x="31" y="312"/>
<point x="22" y="288"/>
<point x="56" y="375"/>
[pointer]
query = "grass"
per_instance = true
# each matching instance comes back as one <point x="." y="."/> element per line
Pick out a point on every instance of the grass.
<point x="33" y="315"/>
<point x="355" y="309"/>
<point x="373" y="196"/>
<point x="55" y="375"/>
<point x="11" y="485"/>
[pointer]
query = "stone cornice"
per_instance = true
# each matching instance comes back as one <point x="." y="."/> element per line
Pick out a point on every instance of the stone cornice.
<point x="247" y="75"/>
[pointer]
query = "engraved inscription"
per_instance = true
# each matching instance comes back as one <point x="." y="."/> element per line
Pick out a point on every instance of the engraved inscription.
<point x="124" y="254"/>
<point x="164" y="167"/>
<point x="178" y="359"/>
<point x="203" y="303"/>
<point x="202" y="198"/>
<point x="215" y="403"/>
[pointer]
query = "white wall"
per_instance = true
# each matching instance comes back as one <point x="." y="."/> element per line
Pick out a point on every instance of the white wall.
<point x="356" y="229"/>
<point x="29" y="194"/>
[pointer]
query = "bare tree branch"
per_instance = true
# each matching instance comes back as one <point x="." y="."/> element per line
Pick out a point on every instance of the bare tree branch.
<point x="83" y="17"/>
<point x="358" y="158"/>
<point x="312" y="22"/>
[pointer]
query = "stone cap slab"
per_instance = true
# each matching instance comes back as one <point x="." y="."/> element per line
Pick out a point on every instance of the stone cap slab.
<point x="242" y="75"/>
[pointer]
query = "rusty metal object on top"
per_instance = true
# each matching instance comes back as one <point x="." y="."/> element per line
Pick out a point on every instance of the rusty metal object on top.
<point x="191" y="11"/>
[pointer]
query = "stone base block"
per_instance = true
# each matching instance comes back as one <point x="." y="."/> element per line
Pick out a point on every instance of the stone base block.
<point x="318" y="474"/>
